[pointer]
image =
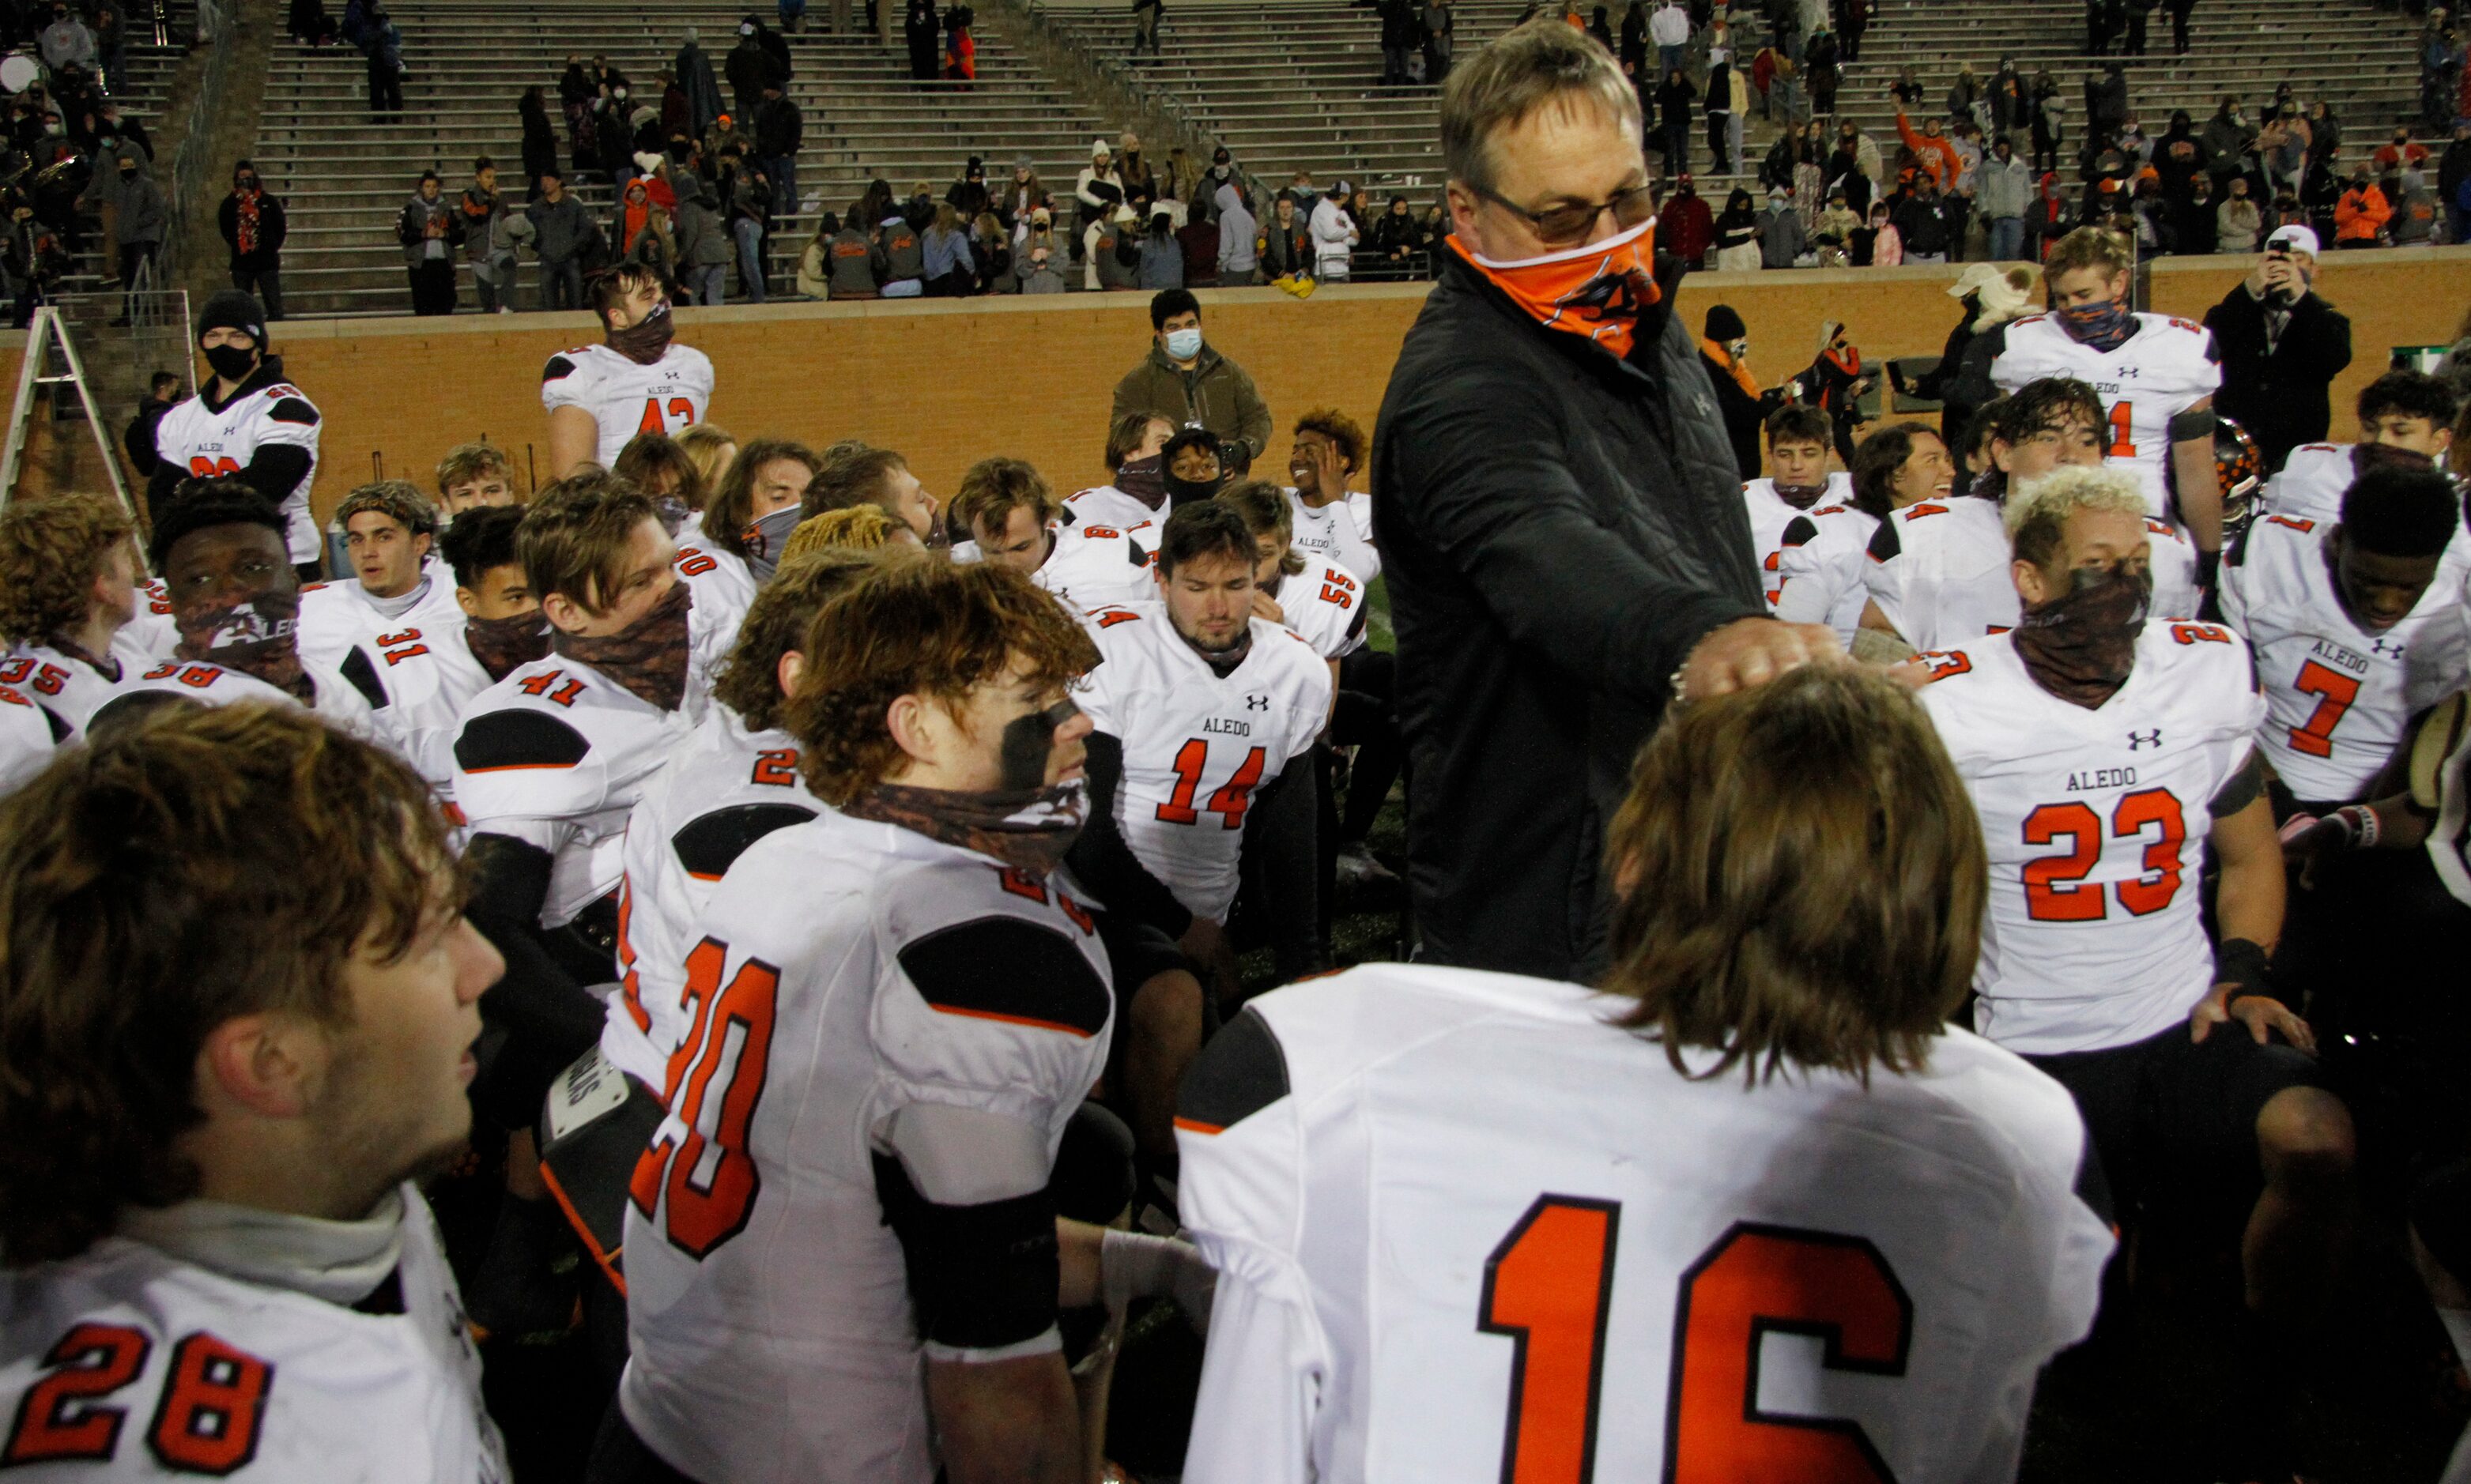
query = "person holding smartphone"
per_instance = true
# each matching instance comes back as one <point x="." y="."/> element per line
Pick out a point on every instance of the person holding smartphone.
<point x="2281" y="345"/>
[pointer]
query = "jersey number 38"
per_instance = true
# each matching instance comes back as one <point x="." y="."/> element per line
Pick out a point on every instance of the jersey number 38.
<point x="1548" y="1288"/>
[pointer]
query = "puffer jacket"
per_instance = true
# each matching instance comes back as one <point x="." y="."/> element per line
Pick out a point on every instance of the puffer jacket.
<point x="1216" y="393"/>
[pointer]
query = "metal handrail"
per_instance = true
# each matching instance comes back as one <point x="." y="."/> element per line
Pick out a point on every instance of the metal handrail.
<point x="191" y="189"/>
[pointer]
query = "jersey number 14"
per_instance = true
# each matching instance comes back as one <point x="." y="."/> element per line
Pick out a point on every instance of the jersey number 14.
<point x="1548" y="1288"/>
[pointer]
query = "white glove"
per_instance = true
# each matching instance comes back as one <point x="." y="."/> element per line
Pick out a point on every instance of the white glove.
<point x="1133" y="1264"/>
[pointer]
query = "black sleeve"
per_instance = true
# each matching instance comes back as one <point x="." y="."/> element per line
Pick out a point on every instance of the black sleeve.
<point x="159" y="485"/>
<point x="276" y="470"/>
<point x="549" y="1018"/>
<point x="1106" y="865"/>
<point x="1282" y="863"/>
<point x="1973" y="387"/>
<point x="980" y="1277"/>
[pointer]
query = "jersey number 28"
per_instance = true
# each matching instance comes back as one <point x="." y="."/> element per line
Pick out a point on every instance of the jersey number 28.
<point x="1548" y="1288"/>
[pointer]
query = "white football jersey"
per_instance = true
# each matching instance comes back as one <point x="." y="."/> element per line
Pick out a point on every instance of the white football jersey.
<point x="555" y="755"/>
<point x="1197" y="744"/>
<point x="626" y="397"/>
<point x="1105" y="504"/>
<point x="1326" y="606"/>
<point x="152" y="630"/>
<point x="26" y="740"/>
<point x="2096" y="824"/>
<point x="1940" y="571"/>
<point x="1338" y="532"/>
<point x="69" y="689"/>
<point x="840" y="976"/>
<point x="127" y="1363"/>
<point x="1821" y="562"/>
<point x="722" y="790"/>
<point x="2311" y="484"/>
<point x="724" y="590"/>
<point x="2340" y="698"/>
<point x="207" y="440"/>
<point x="414" y="668"/>
<point x="337" y="700"/>
<point x="1467" y="1230"/>
<point x="2160" y="372"/>
<point x="1093" y="566"/>
<point x="1770" y="516"/>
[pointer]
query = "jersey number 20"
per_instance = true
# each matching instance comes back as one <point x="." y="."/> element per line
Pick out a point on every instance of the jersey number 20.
<point x="715" y="1078"/>
<point x="1548" y="1286"/>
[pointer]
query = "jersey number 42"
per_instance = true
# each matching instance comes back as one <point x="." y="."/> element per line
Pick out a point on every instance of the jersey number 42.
<point x="1548" y="1288"/>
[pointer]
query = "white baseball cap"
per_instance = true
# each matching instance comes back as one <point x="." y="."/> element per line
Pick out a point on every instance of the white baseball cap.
<point x="2298" y="238"/>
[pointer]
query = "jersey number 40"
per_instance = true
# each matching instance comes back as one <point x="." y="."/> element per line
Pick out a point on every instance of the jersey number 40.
<point x="1548" y="1288"/>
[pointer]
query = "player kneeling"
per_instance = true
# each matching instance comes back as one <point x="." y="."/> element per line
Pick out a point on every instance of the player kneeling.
<point x="238" y="998"/>
<point x="843" y="1259"/>
<point x="1773" y="1220"/>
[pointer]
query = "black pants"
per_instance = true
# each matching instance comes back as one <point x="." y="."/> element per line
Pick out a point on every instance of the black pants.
<point x="132" y="255"/>
<point x="2179" y="10"/>
<point x="433" y="287"/>
<point x="2136" y="19"/>
<point x="266" y="284"/>
<point x="386" y="90"/>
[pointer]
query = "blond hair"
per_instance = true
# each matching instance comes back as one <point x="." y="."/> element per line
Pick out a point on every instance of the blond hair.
<point x="2037" y="515"/>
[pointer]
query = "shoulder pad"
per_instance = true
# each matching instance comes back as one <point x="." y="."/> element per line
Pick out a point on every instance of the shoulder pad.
<point x="559" y="368"/>
<point x="1241" y="1071"/>
<point x="294" y="410"/>
<point x="1799" y="531"/>
<point x="501" y="741"/>
<point x="1008" y="969"/>
<point x="710" y="843"/>
<point x="1885" y="545"/>
<point x="363" y="676"/>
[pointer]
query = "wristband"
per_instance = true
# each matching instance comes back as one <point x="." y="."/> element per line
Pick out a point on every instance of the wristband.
<point x="2360" y="826"/>
<point x="2242" y="964"/>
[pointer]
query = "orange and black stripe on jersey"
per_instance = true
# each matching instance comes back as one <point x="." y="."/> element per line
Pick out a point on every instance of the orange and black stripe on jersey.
<point x="712" y="843"/>
<point x="503" y="741"/>
<point x="1042" y="980"/>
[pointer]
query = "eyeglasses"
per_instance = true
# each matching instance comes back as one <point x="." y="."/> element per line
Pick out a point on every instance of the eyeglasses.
<point x="1568" y="226"/>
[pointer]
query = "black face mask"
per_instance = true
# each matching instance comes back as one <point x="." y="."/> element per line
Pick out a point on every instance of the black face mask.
<point x="1184" y="491"/>
<point x="647" y="339"/>
<point x="2080" y="647"/>
<point x="231" y="362"/>
<point x="1144" y="479"/>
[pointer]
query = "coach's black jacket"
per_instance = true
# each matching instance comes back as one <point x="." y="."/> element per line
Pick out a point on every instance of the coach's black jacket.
<point x="1558" y="527"/>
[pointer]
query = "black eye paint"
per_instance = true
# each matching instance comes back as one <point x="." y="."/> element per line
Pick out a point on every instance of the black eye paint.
<point x="1026" y="743"/>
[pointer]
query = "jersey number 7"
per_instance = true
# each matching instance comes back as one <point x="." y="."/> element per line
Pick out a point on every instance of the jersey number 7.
<point x="1548" y="1288"/>
<point x="2335" y="692"/>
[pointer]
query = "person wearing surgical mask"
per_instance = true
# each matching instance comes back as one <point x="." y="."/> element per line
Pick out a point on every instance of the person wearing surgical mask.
<point x="1192" y="384"/>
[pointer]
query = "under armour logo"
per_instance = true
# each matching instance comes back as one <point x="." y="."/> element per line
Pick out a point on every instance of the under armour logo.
<point x="2381" y="647"/>
<point x="1257" y="703"/>
<point x="2138" y="740"/>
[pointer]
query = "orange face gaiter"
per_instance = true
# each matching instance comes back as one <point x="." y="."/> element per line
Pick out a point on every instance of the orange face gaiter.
<point x="1597" y="292"/>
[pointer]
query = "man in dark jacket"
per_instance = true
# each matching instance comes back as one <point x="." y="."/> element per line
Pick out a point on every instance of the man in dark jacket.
<point x="253" y="226"/>
<point x="2281" y="346"/>
<point x="693" y="71"/>
<point x="779" y="129"/>
<point x="562" y="233"/>
<point x="1923" y="221"/>
<point x="1186" y="382"/>
<point x="1559" y="513"/>
<point x="430" y="232"/>
<point x="751" y="67"/>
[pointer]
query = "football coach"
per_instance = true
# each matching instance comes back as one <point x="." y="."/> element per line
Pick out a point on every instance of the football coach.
<point x="1559" y="512"/>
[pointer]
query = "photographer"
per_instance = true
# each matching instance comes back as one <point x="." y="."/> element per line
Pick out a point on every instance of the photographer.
<point x="2281" y="346"/>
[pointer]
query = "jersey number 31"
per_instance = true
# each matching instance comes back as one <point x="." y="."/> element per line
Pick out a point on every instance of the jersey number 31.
<point x="1548" y="1288"/>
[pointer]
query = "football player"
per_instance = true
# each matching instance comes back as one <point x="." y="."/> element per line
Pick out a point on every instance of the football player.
<point x="843" y="1257"/>
<point x="1761" y="1126"/>
<point x="2156" y="376"/>
<point x="472" y="476"/>
<point x="1200" y="706"/>
<point x="239" y="995"/>
<point x="878" y="478"/>
<point x="1013" y="518"/>
<point x="69" y="588"/>
<point x="2406" y="418"/>
<point x="2353" y="632"/>
<point x="26" y="740"/>
<point x="636" y="380"/>
<point x="747" y="522"/>
<point x="246" y="421"/>
<point x="1136" y="487"/>
<point x="1796" y="484"/>
<point x="1192" y="466"/>
<point x="1332" y="522"/>
<point x="503" y="627"/>
<point x="550" y="761"/>
<point x="235" y="598"/>
<point x="2104" y="754"/>
<point x="733" y="780"/>
<point x="654" y="463"/>
<point x="1327" y="608"/>
<point x="395" y="626"/>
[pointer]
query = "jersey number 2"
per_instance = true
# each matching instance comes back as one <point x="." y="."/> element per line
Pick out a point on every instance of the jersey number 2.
<point x="715" y="1078"/>
<point x="1548" y="1286"/>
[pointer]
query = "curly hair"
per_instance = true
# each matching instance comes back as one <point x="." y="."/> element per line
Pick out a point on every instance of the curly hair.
<point x="1340" y="430"/>
<point x="917" y="625"/>
<point x="654" y="461"/>
<point x="398" y="499"/>
<point x="731" y="510"/>
<point x="750" y="681"/>
<point x="199" y="864"/>
<point x="1801" y="879"/>
<point x="858" y="528"/>
<point x="50" y="551"/>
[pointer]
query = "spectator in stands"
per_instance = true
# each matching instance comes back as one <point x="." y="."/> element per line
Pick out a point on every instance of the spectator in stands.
<point x="1043" y="276"/>
<point x="1112" y="251"/>
<point x="1933" y="150"/>
<point x="66" y="43"/>
<point x="1162" y="265"/>
<point x="2195" y="220"/>
<point x="482" y="215"/>
<point x="1687" y="224"/>
<point x="779" y="131"/>
<point x="1669" y="28"/>
<point x="950" y="271"/>
<point x="2140" y="14"/>
<point x="384" y="49"/>
<point x="2281" y="347"/>
<point x="540" y="140"/>
<point x="1099" y="190"/>
<point x="751" y="67"/>
<point x="1878" y="245"/>
<point x="2049" y="126"/>
<point x="1673" y="105"/>
<point x="851" y="255"/>
<point x="1783" y="241"/>
<point x="960" y="47"/>
<point x="693" y="71"/>
<point x="1924" y="230"/>
<point x="2453" y="182"/>
<point x="430" y="233"/>
<point x="816" y="262"/>
<point x="991" y="249"/>
<point x="2237" y="221"/>
<point x="1832" y="234"/>
<point x="1438" y="31"/>
<point x="1146" y="15"/>
<point x="1038" y="230"/>
<point x="140" y="216"/>
<point x="1284" y="247"/>
<point x="2106" y="101"/>
<point x="968" y="194"/>
<point x="1400" y="239"/>
<point x="702" y="240"/>
<point x="2004" y="196"/>
<point x="1727" y="106"/>
<point x="563" y="234"/>
<point x="1334" y="237"/>
<point x="2361" y="216"/>
<point x="1737" y="234"/>
<point x="918" y="29"/>
<point x="794" y="15"/>
<point x="577" y="93"/>
<point x="1399" y="20"/>
<point x="746" y="202"/>
<point x="900" y="259"/>
<point x="1133" y="171"/>
<point x="1238" y="244"/>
